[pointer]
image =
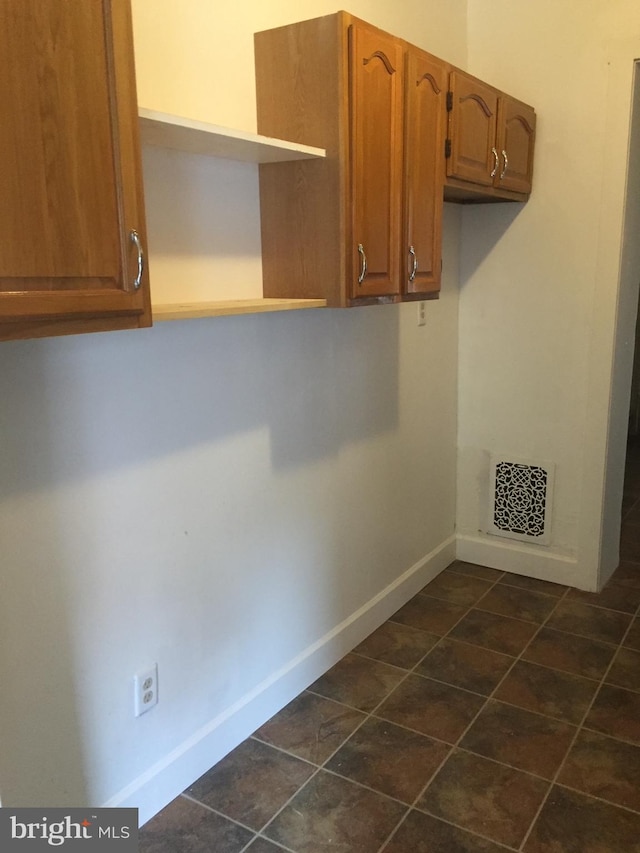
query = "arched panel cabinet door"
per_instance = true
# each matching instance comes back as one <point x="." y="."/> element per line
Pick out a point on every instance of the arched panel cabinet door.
<point x="426" y="81"/>
<point x="376" y="76"/>
<point x="516" y="140"/>
<point x="72" y="230"/>
<point x="472" y="130"/>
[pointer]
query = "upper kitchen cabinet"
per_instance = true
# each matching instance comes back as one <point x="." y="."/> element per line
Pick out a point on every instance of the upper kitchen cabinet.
<point x="71" y="202"/>
<point x="363" y="224"/>
<point x="425" y="98"/>
<point x="490" y="143"/>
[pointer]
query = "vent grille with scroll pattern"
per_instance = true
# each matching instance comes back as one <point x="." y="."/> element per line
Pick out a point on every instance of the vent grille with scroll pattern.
<point x="521" y="499"/>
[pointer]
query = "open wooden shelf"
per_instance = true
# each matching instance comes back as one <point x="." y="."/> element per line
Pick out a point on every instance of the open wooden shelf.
<point x="221" y="308"/>
<point x="199" y="137"/>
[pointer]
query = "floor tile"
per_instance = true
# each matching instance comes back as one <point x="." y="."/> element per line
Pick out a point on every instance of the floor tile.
<point x="606" y="768"/>
<point x="457" y="588"/>
<point x="421" y="833"/>
<point x="389" y="759"/>
<point x="251" y="783"/>
<point x="573" y="823"/>
<point x="186" y="827"/>
<point x="632" y="640"/>
<point x="463" y="665"/>
<point x="518" y="603"/>
<point x="533" y="584"/>
<point x="474" y="571"/>
<point x="310" y="727"/>
<point x="625" y="670"/>
<point x="333" y="814"/>
<point x="520" y="738"/>
<point x="359" y="682"/>
<point x="616" y="712"/>
<point x="577" y="618"/>
<point x="629" y="545"/>
<point x="261" y="845"/>
<point x="484" y="797"/>
<point x="435" y="709"/>
<point x="400" y="645"/>
<point x="429" y="614"/>
<point x="570" y="653"/>
<point x="612" y="597"/>
<point x="547" y="691"/>
<point x="627" y="574"/>
<point x="628" y="501"/>
<point x="499" y="633"/>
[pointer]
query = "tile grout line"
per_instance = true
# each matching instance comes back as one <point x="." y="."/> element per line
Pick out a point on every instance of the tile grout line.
<point x="408" y="672"/>
<point x="322" y="766"/>
<point x="488" y="699"/>
<point x="579" y="728"/>
<point x="226" y="817"/>
<point x="452" y="746"/>
<point x="412" y="671"/>
<point x="472" y="606"/>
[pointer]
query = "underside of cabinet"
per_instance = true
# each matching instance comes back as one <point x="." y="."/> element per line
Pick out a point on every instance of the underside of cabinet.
<point x="460" y="192"/>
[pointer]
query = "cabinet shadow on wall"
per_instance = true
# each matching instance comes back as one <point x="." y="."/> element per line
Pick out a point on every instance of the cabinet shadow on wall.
<point x="80" y="406"/>
<point x="491" y="221"/>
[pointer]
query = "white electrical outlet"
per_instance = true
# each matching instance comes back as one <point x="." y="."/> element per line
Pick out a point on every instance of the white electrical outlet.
<point x="145" y="694"/>
<point x="422" y="314"/>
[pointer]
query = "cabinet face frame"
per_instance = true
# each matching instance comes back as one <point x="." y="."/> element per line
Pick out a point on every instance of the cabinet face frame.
<point x="73" y="156"/>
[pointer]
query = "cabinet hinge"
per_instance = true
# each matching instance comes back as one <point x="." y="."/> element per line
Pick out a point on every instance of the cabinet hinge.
<point x="449" y="101"/>
<point x="447" y="148"/>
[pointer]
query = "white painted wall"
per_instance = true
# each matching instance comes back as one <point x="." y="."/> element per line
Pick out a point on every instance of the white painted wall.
<point x="540" y="284"/>
<point x="238" y="499"/>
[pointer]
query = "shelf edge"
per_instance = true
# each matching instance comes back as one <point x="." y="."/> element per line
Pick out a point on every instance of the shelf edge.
<point x="197" y="137"/>
<point x="224" y="308"/>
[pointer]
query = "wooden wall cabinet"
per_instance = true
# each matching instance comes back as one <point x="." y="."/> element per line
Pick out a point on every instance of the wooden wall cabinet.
<point x="490" y="143"/>
<point x="357" y="223"/>
<point x="363" y="225"/>
<point x="71" y="187"/>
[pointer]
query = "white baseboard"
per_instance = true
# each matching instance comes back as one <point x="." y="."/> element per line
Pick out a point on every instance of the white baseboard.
<point x="511" y="556"/>
<point x="173" y="773"/>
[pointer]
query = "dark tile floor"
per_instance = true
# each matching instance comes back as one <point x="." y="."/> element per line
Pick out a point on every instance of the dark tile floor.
<point x="492" y="712"/>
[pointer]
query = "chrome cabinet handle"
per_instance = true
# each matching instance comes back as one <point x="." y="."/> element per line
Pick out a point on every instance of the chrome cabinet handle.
<point x="506" y="164"/>
<point x="414" y="269"/>
<point x="363" y="263"/>
<point x="496" y="163"/>
<point x="135" y="239"/>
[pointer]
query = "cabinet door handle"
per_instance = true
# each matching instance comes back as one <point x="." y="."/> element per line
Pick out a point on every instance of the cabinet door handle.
<point x="363" y="263"/>
<point x="496" y="163"/>
<point x="135" y="239"/>
<point x="506" y="164"/>
<point x="414" y="268"/>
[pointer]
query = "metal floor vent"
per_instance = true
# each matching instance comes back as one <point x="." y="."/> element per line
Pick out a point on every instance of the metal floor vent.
<point x="520" y="499"/>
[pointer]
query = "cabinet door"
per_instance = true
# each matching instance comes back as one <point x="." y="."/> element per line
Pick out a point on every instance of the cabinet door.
<point x="472" y="130"/>
<point x="376" y="161"/>
<point x="425" y="110"/>
<point x="70" y="185"/>
<point x="516" y="138"/>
